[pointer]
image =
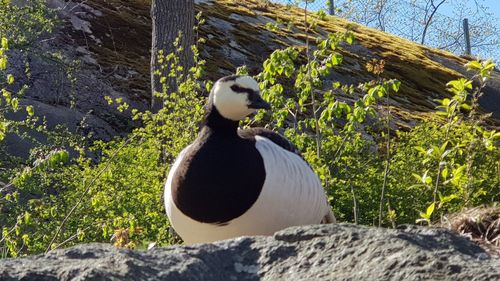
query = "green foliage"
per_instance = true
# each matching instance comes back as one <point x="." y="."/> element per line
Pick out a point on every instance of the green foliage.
<point x="70" y="191"/>
<point x="456" y="160"/>
<point x="4" y="47"/>
<point x="321" y="14"/>
<point x="113" y="191"/>
<point x="327" y="130"/>
<point x="410" y="158"/>
<point x="22" y="24"/>
<point x="25" y="22"/>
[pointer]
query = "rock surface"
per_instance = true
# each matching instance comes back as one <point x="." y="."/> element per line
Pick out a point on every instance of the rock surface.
<point x="321" y="252"/>
<point x="105" y="46"/>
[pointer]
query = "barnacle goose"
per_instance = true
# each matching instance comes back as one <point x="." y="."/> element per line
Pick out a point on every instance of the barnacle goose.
<point x="231" y="182"/>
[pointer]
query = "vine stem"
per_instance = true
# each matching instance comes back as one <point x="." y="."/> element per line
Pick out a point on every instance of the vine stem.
<point x="4" y="248"/>
<point x="438" y="176"/>
<point x="387" y="161"/>
<point x="355" y="204"/>
<point x="470" y="147"/>
<point x="313" y="98"/>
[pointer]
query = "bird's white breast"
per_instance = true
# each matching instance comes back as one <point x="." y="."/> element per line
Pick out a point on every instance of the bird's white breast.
<point x="292" y="195"/>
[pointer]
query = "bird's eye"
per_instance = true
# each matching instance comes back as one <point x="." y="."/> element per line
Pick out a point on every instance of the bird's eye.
<point x="238" y="89"/>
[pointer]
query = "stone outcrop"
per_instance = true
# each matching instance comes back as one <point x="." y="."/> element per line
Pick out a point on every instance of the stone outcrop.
<point x="105" y="47"/>
<point x="321" y="252"/>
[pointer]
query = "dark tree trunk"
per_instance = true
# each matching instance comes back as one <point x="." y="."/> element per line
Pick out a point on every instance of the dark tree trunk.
<point x="168" y="18"/>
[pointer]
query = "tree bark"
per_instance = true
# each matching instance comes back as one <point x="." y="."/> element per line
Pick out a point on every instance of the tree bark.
<point x="168" y="18"/>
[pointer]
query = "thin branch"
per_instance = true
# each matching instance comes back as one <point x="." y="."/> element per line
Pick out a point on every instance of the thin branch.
<point x="387" y="161"/>
<point x="428" y="22"/>
<point x="10" y="231"/>
<point x="355" y="204"/>
<point x="87" y="189"/>
<point x="313" y="98"/>
<point x="70" y="238"/>
<point x="438" y="176"/>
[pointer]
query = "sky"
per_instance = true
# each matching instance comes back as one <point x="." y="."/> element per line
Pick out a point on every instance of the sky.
<point x="493" y="6"/>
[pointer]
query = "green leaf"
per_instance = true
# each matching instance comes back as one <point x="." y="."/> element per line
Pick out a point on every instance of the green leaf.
<point x="421" y="150"/>
<point x="395" y="85"/>
<point x="372" y="90"/>
<point x="336" y="59"/>
<point x="442" y="148"/>
<point x="418" y="177"/>
<point x="428" y="180"/>
<point x="242" y="70"/>
<point x="425" y="179"/>
<point x="15" y="104"/>
<point x="465" y="106"/>
<point x="430" y="210"/>
<point x="27" y="217"/>
<point x="5" y="43"/>
<point x="381" y="92"/>
<point x="459" y="170"/>
<point x="447" y="199"/>
<point x="29" y="110"/>
<point x="444" y="173"/>
<point x="3" y="63"/>
<point x="10" y="79"/>
<point x="209" y="85"/>
<point x="473" y="65"/>
<point x="63" y="156"/>
<point x="25" y="238"/>
<point x="416" y="186"/>
<point x="349" y="38"/>
<point x="7" y="95"/>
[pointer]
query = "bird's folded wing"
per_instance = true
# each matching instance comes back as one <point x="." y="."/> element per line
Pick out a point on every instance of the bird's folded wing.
<point x="291" y="186"/>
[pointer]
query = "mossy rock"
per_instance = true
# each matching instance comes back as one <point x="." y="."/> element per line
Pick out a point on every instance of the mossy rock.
<point x="115" y="44"/>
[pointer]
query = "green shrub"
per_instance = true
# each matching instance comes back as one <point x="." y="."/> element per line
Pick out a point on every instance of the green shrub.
<point x="24" y="23"/>
<point x="113" y="191"/>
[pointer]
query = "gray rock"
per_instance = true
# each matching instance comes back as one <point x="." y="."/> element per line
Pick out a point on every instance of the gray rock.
<point x="56" y="57"/>
<point x="320" y="252"/>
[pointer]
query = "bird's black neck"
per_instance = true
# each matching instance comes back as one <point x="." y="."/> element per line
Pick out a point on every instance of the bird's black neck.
<point x="217" y="123"/>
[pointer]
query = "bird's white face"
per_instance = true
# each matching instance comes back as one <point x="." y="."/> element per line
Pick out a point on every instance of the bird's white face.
<point x="236" y="97"/>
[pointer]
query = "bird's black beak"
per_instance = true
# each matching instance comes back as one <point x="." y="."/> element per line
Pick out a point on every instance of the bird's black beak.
<point x="257" y="102"/>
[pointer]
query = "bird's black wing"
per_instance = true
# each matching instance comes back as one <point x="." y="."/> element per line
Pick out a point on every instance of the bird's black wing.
<point x="273" y="136"/>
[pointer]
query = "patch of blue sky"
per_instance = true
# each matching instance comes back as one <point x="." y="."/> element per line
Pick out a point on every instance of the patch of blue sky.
<point x="446" y="10"/>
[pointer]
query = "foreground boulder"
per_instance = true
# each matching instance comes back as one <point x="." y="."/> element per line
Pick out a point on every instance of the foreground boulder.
<point x="321" y="252"/>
